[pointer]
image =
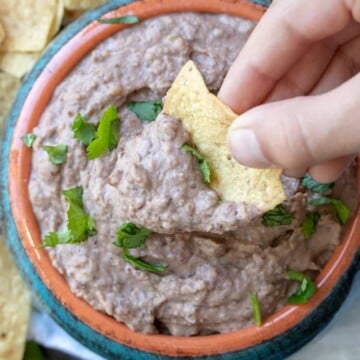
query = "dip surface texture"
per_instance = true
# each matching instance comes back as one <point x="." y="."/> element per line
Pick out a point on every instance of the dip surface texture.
<point x="217" y="253"/>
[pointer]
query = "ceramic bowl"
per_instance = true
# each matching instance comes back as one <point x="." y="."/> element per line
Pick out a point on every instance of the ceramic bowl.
<point x="282" y="333"/>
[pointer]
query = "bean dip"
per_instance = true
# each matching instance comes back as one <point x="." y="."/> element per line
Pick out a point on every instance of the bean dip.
<point x="216" y="253"/>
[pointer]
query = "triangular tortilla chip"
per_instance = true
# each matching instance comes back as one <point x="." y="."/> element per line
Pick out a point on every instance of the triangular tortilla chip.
<point x="14" y="308"/>
<point x="208" y="119"/>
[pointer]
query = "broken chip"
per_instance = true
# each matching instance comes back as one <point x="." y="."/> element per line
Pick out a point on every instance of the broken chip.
<point x="14" y="308"/>
<point x="82" y="4"/>
<point x="208" y="119"/>
<point x="2" y="34"/>
<point x="17" y="63"/>
<point x="27" y="24"/>
<point x="8" y="88"/>
<point x="57" y="20"/>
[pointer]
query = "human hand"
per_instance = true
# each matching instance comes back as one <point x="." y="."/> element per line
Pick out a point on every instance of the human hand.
<point x="299" y="48"/>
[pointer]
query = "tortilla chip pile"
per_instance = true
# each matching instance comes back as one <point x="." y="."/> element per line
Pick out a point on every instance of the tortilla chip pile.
<point x="14" y="308"/>
<point x="208" y="119"/>
<point x="26" y="27"/>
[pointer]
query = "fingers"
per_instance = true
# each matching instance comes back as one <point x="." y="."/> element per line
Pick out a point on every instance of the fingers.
<point x="300" y="132"/>
<point x="282" y="36"/>
<point x="330" y="170"/>
<point x="305" y="74"/>
<point x="344" y="65"/>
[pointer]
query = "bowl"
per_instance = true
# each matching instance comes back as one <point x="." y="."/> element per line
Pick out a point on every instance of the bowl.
<point x="282" y="333"/>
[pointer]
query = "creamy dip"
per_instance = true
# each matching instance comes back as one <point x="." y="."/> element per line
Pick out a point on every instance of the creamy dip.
<point x="217" y="253"/>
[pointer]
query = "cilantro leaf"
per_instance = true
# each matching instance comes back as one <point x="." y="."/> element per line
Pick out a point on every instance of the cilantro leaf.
<point x="306" y="289"/>
<point x="55" y="238"/>
<point x="140" y="264"/>
<point x="145" y="110"/>
<point x="277" y="216"/>
<point x="80" y="225"/>
<point x="342" y="211"/>
<point x="131" y="236"/>
<point x="256" y="309"/>
<point x="84" y="131"/>
<point x="28" y="139"/>
<point x="107" y="134"/>
<point x="308" y="226"/>
<point x="57" y="153"/>
<point x="309" y="183"/>
<point x="33" y="351"/>
<point x="126" y="19"/>
<point x="204" y="166"/>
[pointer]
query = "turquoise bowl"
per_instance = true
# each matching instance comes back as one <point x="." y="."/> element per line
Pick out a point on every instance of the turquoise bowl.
<point x="285" y="339"/>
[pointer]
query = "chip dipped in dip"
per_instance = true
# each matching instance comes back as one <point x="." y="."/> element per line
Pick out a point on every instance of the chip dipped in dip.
<point x="123" y="193"/>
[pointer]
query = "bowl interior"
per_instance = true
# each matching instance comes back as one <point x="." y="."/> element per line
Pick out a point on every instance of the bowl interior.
<point x="19" y="170"/>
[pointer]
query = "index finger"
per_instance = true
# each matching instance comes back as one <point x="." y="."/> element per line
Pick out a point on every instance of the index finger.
<point x="282" y="36"/>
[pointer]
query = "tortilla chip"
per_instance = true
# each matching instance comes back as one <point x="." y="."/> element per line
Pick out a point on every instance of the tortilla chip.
<point x="27" y="24"/>
<point x="14" y="308"/>
<point x="208" y="119"/>
<point x="2" y="34"/>
<point x="82" y="4"/>
<point x="58" y="18"/>
<point x="18" y="63"/>
<point x="8" y="88"/>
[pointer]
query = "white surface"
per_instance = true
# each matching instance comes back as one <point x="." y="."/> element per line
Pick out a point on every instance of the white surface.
<point x="339" y="341"/>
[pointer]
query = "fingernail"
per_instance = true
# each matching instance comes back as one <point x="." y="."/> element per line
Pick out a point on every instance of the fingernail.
<point x="245" y="148"/>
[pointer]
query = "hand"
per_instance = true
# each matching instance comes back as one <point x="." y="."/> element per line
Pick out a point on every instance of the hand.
<point x="307" y="52"/>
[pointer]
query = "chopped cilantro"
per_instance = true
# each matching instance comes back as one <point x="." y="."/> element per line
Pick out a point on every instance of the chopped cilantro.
<point x="33" y="351"/>
<point x="145" y="110"/>
<point x="204" y="166"/>
<point x="107" y="134"/>
<point x="140" y="264"/>
<point x="308" y="226"/>
<point x="130" y="236"/>
<point x="55" y="238"/>
<point x="277" y="216"/>
<point x="126" y="19"/>
<point x="342" y="211"/>
<point x="256" y="309"/>
<point x="80" y="225"/>
<point x="28" y="139"/>
<point x="57" y="154"/>
<point x="306" y="289"/>
<point x="309" y="183"/>
<point x="84" y="131"/>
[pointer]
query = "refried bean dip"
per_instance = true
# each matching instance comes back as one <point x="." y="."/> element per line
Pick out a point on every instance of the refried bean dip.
<point x="216" y="254"/>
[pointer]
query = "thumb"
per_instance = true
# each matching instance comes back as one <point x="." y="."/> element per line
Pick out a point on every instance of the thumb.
<point x="300" y="132"/>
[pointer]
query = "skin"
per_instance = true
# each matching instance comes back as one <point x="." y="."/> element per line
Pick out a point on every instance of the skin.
<point x="298" y="92"/>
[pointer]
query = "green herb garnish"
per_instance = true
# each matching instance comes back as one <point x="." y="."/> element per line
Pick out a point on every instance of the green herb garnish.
<point x="84" y="131"/>
<point x="256" y="309"/>
<point x="277" y="216"/>
<point x="28" y="139"/>
<point x="107" y="134"/>
<point x="126" y="19"/>
<point x="33" y="351"/>
<point x="309" y="183"/>
<point x="306" y="289"/>
<point x="57" y="154"/>
<point x="140" y="264"/>
<point x="204" y="166"/>
<point x="342" y="211"/>
<point x="80" y="225"/>
<point x="146" y="110"/>
<point x="308" y="226"/>
<point x="130" y="236"/>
